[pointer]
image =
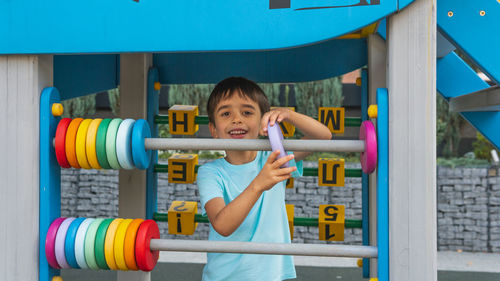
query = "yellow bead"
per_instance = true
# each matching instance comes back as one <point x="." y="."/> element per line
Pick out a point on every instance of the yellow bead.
<point x="182" y="168"/>
<point x="182" y="119"/>
<point x="287" y="128"/>
<point x="290" y="213"/>
<point x="333" y="118"/>
<point x="57" y="278"/>
<point x="57" y="109"/>
<point x="374" y="279"/>
<point x="373" y="111"/>
<point x="181" y="217"/>
<point x="331" y="172"/>
<point x="358" y="81"/>
<point x="360" y="262"/>
<point x="331" y="222"/>
<point x="157" y="86"/>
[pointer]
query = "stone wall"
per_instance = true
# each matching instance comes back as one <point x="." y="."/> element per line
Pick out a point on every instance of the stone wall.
<point x="468" y="210"/>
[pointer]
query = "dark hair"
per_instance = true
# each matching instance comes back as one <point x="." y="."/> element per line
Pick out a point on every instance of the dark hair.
<point x="228" y="87"/>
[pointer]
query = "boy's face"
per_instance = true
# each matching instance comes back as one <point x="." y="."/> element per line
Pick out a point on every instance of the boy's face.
<point x="236" y="118"/>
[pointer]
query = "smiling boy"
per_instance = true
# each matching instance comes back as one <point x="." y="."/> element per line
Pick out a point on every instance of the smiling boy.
<point x="243" y="194"/>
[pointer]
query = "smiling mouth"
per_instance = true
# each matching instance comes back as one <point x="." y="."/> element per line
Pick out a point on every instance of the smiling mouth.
<point x="237" y="133"/>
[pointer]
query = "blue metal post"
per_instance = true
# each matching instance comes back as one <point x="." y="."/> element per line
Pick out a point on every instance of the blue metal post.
<point x="151" y="176"/>
<point x="383" y="185"/>
<point x="50" y="177"/>
<point x="365" y="187"/>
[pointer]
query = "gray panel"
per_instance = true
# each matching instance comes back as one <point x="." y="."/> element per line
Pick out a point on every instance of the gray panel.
<point x="484" y="100"/>
<point x="412" y="139"/>
<point x="444" y="46"/>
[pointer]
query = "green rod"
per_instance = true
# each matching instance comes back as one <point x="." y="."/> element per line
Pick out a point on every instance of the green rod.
<point x="312" y="172"/>
<point x="203" y="120"/>
<point x="298" y="221"/>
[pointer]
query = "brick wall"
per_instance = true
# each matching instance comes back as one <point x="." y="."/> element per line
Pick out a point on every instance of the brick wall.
<point x="468" y="209"/>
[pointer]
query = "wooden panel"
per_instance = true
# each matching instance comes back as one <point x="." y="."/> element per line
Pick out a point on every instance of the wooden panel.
<point x="132" y="187"/>
<point x="377" y="62"/>
<point x="22" y="79"/>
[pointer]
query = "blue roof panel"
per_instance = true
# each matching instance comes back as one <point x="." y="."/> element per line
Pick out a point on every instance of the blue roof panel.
<point x="96" y="26"/>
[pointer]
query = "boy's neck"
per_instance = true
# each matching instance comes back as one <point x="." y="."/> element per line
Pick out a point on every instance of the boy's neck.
<point x="237" y="157"/>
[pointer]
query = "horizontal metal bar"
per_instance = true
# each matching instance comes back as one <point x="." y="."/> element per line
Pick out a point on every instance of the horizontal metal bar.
<point x="297" y="221"/>
<point x="308" y="172"/>
<point x="253" y="144"/>
<point x="203" y="120"/>
<point x="263" y="248"/>
<point x="483" y="100"/>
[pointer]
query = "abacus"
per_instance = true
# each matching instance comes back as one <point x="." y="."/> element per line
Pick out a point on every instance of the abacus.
<point x="89" y="243"/>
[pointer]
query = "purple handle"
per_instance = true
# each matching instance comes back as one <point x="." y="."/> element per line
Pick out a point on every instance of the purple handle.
<point x="276" y="139"/>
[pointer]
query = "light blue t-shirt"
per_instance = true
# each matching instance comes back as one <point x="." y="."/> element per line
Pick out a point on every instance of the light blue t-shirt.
<point x="266" y="222"/>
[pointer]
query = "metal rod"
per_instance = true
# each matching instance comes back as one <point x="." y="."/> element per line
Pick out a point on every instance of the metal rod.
<point x="297" y="221"/>
<point x="253" y="144"/>
<point x="263" y="248"/>
<point x="203" y="120"/>
<point x="308" y="172"/>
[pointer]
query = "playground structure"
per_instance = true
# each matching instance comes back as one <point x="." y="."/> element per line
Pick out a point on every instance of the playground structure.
<point x="56" y="45"/>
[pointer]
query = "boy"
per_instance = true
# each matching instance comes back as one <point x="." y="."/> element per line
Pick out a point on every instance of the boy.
<point x="243" y="194"/>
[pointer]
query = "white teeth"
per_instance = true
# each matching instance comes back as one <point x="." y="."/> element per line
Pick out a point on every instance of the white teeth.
<point x="237" y="132"/>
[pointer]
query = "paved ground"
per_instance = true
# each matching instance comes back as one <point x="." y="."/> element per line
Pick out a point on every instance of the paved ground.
<point x="452" y="266"/>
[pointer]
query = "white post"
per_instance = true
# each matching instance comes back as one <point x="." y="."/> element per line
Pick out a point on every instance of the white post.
<point x="377" y="63"/>
<point x="411" y="79"/>
<point x="133" y="103"/>
<point x="22" y="79"/>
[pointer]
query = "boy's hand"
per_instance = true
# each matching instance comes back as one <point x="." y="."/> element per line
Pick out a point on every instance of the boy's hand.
<point x="271" y="173"/>
<point x="274" y="116"/>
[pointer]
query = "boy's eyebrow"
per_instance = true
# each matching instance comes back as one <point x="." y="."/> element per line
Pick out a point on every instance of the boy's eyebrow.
<point x="228" y="106"/>
<point x="223" y="107"/>
<point x="248" y="105"/>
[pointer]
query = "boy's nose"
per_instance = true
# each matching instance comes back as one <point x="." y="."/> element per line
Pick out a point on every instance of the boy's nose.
<point x="236" y="118"/>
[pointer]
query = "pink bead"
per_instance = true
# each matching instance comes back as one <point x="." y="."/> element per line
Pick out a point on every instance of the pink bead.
<point x="50" y="242"/>
<point x="369" y="156"/>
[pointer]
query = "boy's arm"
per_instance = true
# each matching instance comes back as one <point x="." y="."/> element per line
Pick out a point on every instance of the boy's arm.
<point x="225" y="219"/>
<point x="311" y="128"/>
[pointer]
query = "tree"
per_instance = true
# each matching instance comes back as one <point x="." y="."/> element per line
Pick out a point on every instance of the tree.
<point x="448" y="126"/>
<point x="79" y="107"/>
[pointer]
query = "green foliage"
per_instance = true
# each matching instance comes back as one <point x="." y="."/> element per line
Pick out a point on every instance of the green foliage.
<point x="311" y="95"/>
<point x="202" y="154"/>
<point x="79" y="107"/>
<point x="461" y="162"/>
<point x="482" y="147"/>
<point x="192" y="94"/>
<point x="272" y="91"/>
<point x="164" y="154"/>
<point x="114" y="100"/>
<point x="350" y="157"/>
<point x="448" y="126"/>
<point x="207" y="154"/>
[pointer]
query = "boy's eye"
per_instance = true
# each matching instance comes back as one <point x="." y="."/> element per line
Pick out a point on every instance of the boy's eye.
<point x="247" y="113"/>
<point x="224" y="114"/>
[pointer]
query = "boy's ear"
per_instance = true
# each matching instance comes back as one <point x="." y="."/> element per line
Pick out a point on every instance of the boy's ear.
<point x="213" y="132"/>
